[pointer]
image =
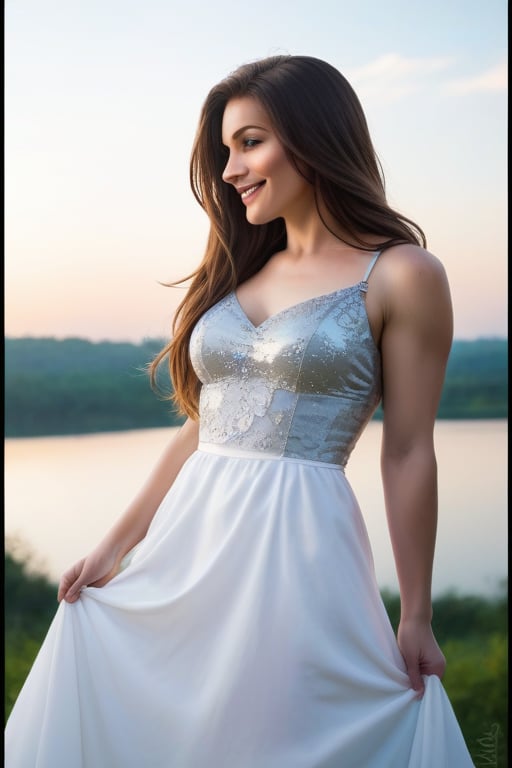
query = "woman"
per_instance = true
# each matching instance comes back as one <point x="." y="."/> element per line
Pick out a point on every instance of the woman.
<point x="231" y="618"/>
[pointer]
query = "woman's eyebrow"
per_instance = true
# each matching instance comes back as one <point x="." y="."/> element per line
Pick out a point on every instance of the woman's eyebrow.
<point x="246" y="127"/>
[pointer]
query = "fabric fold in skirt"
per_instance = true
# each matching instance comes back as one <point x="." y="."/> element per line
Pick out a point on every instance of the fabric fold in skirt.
<point x="245" y="631"/>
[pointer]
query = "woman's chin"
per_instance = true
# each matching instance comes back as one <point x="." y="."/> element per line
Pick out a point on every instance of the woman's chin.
<point x="258" y="218"/>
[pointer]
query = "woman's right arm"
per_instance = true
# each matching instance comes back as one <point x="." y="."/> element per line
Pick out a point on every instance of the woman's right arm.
<point x="102" y="564"/>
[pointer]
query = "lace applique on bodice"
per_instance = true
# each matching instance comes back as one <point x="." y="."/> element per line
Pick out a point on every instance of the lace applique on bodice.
<point x="302" y="384"/>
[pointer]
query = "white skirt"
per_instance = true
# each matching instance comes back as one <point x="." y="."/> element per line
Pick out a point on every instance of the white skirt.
<point x="246" y="631"/>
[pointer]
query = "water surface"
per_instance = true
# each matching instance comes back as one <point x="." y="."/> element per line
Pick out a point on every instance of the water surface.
<point x="62" y="494"/>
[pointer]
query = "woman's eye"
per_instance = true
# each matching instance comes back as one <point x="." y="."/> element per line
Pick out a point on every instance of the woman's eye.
<point x="250" y="142"/>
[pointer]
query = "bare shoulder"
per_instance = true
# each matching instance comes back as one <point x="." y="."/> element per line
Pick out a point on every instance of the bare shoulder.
<point x="410" y="266"/>
<point x="413" y="294"/>
<point x="410" y="278"/>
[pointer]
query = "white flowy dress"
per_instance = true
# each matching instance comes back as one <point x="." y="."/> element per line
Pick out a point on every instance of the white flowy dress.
<point x="247" y="630"/>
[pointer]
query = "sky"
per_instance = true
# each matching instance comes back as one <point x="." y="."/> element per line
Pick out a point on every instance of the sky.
<point x="102" y="99"/>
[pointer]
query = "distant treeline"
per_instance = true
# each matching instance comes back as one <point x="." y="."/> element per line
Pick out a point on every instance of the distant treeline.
<point x="73" y="386"/>
<point x="471" y="629"/>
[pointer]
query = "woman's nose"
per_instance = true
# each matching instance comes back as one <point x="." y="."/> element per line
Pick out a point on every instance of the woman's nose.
<point x="235" y="168"/>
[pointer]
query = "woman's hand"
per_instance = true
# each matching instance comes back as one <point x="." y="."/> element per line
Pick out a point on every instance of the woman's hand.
<point x="421" y="652"/>
<point x="95" y="570"/>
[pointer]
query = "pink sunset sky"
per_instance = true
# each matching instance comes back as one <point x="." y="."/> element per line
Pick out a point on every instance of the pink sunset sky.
<point x="102" y="101"/>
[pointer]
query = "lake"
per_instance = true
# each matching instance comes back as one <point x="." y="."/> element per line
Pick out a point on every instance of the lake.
<point x="62" y="493"/>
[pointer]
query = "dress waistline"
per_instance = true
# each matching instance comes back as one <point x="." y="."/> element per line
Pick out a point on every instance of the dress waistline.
<point x="238" y="453"/>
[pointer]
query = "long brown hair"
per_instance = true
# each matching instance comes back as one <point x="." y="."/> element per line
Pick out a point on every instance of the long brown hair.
<point x="320" y="122"/>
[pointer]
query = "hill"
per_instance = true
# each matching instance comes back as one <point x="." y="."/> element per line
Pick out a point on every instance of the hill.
<point x="73" y="386"/>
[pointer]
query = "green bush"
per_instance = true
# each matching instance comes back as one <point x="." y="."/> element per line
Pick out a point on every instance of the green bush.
<point x="476" y="682"/>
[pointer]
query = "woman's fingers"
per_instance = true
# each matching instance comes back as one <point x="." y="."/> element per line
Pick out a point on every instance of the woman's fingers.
<point x="84" y="574"/>
<point x="69" y="579"/>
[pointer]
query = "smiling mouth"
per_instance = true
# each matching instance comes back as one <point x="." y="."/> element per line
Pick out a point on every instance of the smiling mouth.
<point x="248" y="193"/>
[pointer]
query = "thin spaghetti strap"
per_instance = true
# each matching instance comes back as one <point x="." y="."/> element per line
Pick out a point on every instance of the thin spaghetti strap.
<point x="370" y="266"/>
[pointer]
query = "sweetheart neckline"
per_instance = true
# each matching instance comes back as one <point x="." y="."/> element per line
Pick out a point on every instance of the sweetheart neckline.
<point x="298" y="304"/>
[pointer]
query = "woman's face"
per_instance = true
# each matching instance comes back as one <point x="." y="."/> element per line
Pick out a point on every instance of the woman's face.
<point x="258" y="167"/>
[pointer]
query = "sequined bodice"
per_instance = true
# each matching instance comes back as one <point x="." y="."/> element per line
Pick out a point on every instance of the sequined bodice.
<point x="303" y="384"/>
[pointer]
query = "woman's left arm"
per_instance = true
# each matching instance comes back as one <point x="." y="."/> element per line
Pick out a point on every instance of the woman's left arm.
<point x="415" y="344"/>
